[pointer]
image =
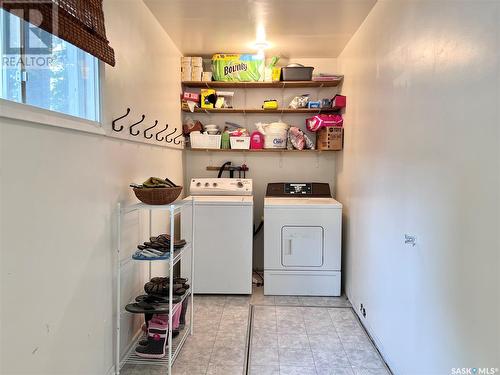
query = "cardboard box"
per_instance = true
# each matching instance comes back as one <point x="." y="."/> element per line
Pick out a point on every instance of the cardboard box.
<point x="196" y="73"/>
<point x="186" y="72"/>
<point x="206" y="76"/>
<point x="197" y="61"/>
<point x="186" y="60"/>
<point x="190" y="96"/>
<point x="205" y="103"/>
<point x="339" y="102"/>
<point x="330" y="138"/>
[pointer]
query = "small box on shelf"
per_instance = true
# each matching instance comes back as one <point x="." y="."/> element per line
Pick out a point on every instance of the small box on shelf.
<point x="330" y="138"/>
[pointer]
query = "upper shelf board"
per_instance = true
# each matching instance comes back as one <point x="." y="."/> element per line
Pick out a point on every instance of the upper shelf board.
<point x="257" y="85"/>
<point x="261" y="111"/>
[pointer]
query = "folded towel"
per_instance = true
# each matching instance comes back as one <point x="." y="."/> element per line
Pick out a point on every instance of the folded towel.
<point x="155" y="182"/>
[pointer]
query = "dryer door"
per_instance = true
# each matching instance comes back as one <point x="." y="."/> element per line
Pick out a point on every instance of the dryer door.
<point x="301" y="246"/>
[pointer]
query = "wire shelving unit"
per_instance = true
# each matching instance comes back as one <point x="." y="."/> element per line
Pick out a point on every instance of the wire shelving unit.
<point x="174" y="344"/>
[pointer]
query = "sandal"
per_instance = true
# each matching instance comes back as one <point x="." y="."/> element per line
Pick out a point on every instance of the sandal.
<point x="150" y="254"/>
<point x="147" y="308"/>
<point x="162" y="289"/>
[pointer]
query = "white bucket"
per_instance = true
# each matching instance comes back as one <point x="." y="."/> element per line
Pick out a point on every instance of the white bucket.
<point x="275" y="134"/>
<point x="275" y="139"/>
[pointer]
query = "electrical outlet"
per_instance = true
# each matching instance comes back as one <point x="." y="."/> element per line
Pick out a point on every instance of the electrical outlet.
<point x="410" y="239"/>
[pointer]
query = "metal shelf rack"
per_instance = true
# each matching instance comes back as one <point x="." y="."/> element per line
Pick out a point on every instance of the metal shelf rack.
<point x="174" y="344"/>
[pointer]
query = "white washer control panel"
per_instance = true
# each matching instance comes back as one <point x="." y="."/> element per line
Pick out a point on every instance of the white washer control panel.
<point x="221" y="186"/>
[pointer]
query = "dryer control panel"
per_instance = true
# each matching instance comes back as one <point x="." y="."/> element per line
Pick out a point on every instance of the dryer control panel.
<point x="298" y="189"/>
<point x="293" y="189"/>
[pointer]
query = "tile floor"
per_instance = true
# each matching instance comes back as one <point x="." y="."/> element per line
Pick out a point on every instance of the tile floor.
<point x="289" y="335"/>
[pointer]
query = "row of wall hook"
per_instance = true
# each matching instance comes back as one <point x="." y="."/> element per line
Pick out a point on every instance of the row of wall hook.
<point x="147" y="133"/>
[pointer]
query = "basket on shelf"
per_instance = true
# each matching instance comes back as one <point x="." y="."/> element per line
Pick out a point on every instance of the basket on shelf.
<point x="240" y="143"/>
<point x="158" y="196"/>
<point x="205" y="141"/>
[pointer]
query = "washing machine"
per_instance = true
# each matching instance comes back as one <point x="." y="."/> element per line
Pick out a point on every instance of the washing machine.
<point x="223" y="239"/>
<point x="302" y="240"/>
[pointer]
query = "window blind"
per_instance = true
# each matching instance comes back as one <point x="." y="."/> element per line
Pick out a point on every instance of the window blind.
<point x="79" y="22"/>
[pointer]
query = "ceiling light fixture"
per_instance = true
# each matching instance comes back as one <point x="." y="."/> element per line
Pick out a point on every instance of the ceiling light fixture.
<point x="260" y="45"/>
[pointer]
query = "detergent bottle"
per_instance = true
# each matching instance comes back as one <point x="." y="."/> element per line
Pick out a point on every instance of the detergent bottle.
<point x="257" y="140"/>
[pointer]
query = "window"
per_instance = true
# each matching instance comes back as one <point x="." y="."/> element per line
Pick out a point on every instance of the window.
<point x="60" y="78"/>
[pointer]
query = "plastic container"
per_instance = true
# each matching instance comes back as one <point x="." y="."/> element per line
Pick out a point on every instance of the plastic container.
<point x="205" y="141"/>
<point x="275" y="134"/>
<point x="257" y="140"/>
<point x="297" y="73"/>
<point x="240" y="143"/>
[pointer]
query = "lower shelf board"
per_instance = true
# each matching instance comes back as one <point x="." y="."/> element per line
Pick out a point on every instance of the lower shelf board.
<point x="133" y="359"/>
<point x="276" y="150"/>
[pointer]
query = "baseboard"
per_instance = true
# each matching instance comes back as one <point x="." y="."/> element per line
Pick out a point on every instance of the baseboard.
<point x="371" y="333"/>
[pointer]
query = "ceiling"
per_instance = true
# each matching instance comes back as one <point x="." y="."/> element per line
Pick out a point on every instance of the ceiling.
<point x="294" y="28"/>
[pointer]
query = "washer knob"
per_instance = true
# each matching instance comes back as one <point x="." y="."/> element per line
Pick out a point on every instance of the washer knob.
<point x="207" y="184"/>
<point x="198" y="184"/>
<point x="240" y="184"/>
<point x="214" y="184"/>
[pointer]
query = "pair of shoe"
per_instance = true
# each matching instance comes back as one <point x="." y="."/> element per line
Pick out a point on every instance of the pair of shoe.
<point x="156" y="301"/>
<point x="160" y="286"/>
<point x="154" y="346"/>
<point x="158" y="248"/>
<point x="156" y="343"/>
<point x="162" y="242"/>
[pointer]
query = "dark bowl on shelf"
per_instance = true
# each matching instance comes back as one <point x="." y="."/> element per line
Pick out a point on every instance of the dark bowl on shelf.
<point x="158" y="196"/>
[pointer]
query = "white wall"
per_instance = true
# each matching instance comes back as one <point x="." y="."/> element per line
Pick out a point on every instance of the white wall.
<point x="59" y="190"/>
<point x="422" y="157"/>
<point x="268" y="167"/>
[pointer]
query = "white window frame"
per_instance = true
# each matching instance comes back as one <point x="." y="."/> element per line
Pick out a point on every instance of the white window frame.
<point x="25" y="112"/>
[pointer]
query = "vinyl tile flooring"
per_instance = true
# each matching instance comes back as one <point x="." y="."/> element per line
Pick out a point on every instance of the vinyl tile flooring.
<point x="288" y="335"/>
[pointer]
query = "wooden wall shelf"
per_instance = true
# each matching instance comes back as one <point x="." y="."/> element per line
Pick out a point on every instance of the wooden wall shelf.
<point x="261" y="85"/>
<point x="272" y="150"/>
<point x="266" y="111"/>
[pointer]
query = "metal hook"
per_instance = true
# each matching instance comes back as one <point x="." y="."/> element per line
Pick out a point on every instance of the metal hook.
<point x="161" y="131"/>
<point x="177" y="143"/>
<point x="151" y="127"/>
<point x="169" y="134"/>
<point x="137" y="123"/>
<point x="119" y="118"/>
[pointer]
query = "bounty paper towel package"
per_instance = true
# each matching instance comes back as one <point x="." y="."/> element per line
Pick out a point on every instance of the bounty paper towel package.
<point x="238" y="67"/>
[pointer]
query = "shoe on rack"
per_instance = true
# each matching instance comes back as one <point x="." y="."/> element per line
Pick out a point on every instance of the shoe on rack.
<point x="161" y="286"/>
<point x="147" y="304"/>
<point x="144" y="342"/>
<point x="156" y="340"/>
<point x="182" y="319"/>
